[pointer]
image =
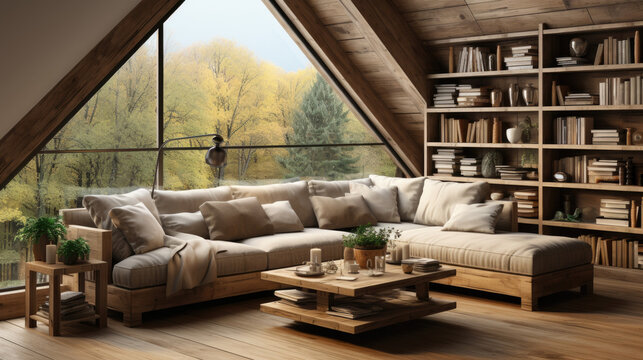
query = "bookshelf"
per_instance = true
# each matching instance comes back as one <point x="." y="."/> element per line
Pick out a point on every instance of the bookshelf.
<point x="551" y="43"/>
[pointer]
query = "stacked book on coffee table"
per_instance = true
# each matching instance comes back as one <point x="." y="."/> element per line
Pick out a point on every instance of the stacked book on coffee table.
<point x="423" y="264"/>
<point x="356" y="307"/>
<point x="296" y="297"/>
<point x="73" y="306"/>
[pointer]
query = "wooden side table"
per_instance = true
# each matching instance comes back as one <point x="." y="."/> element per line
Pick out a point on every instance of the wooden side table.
<point x="55" y="272"/>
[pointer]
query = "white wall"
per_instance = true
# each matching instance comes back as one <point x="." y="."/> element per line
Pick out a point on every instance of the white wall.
<point x="41" y="41"/>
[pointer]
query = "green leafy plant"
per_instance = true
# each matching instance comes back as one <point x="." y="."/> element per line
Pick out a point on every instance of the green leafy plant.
<point x="561" y="216"/>
<point x="368" y="238"/>
<point x="34" y="228"/>
<point x="72" y="250"/>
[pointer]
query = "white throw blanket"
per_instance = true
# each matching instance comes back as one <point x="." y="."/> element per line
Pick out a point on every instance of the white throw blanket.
<point x="193" y="262"/>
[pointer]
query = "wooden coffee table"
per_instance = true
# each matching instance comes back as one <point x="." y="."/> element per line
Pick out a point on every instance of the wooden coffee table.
<point x="406" y="307"/>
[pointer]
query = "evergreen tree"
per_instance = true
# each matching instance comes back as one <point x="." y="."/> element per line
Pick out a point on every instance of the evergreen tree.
<point x="320" y="119"/>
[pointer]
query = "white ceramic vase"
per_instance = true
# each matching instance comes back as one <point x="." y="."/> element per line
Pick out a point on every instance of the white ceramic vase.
<point x="514" y="135"/>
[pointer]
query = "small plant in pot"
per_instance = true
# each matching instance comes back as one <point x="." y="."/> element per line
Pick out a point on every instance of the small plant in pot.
<point x="38" y="232"/>
<point x="73" y="250"/>
<point x="368" y="242"/>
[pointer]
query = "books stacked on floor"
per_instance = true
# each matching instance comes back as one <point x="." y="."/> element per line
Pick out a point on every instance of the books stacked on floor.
<point x="603" y="171"/>
<point x="522" y="57"/>
<point x="470" y="167"/>
<point x="447" y="161"/>
<point x="73" y="306"/>
<point x="613" y="252"/>
<point x="356" y="308"/>
<point x="606" y="136"/>
<point x="423" y="264"/>
<point x="614" y="51"/>
<point x="617" y="91"/>
<point x="445" y="95"/>
<point x="581" y="99"/>
<point x="527" y="202"/>
<point x="473" y="59"/>
<point x="571" y="61"/>
<point x="573" y="130"/>
<point x="508" y="172"/>
<point x="296" y="297"/>
<point x="614" y="212"/>
<point x="575" y="167"/>
<point x="473" y="96"/>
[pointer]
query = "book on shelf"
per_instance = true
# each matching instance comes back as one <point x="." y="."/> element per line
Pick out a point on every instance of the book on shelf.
<point x="620" y="91"/>
<point x="296" y="297"/>
<point x="447" y="161"/>
<point x="356" y="308"/>
<point x="470" y="167"/>
<point x="574" y="166"/>
<point x="598" y="57"/>
<point x="615" y="216"/>
<point x="613" y="252"/>
<point x="473" y="59"/>
<point x="527" y="203"/>
<point x="522" y="57"/>
<point x="571" y="61"/>
<point x="573" y="130"/>
<point x="511" y="173"/>
<point x="474" y="96"/>
<point x="581" y="99"/>
<point x="461" y="130"/>
<point x="614" y="51"/>
<point x="445" y="95"/>
<point x="606" y="136"/>
<point x="561" y="92"/>
<point x="73" y="306"/>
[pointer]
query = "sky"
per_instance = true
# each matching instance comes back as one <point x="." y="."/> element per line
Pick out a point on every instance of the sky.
<point x="248" y="22"/>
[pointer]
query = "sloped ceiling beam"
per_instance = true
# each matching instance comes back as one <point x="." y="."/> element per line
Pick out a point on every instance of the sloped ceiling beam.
<point x="395" y="43"/>
<point x="42" y="122"/>
<point x="331" y="53"/>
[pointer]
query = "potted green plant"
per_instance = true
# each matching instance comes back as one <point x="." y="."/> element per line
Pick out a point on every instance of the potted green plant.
<point x="38" y="232"/>
<point x="368" y="242"/>
<point x="73" y="250"/>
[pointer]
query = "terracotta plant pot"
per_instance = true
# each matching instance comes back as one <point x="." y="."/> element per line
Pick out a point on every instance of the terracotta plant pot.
<point x="40" y="249"/>
<point x="362" y="256"/>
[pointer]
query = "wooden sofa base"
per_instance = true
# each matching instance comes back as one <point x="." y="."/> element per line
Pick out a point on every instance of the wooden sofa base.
<point x="528" y="288"/>
<point x="133" y="303"/>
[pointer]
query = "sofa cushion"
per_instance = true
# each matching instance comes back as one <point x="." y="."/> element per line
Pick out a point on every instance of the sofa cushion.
<point x="440" y="197"/>
<point x="283" y="217"/>
<point x="506" y="218"/>
<point x="289" y="249"/>
<point x="402" y="226"/>
<point x="479" y="218"/>
<point x="408" y="193"/>
<point x="296" y="193"/>
<point x="99" y="207"/>
<point x="517" y="253"/>
<point x="150" y="269"/>
<point x="186" y="222"/>
<point x="138" y="226"/>
<point x="172" y="202"/>
<point x="343" y="212"/>
<point x="334" y="188"/>
<point x="236" y="219"/>
<point x="381" y="200"/>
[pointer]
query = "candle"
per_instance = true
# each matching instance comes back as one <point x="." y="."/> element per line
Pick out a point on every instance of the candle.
<point x="51" y="254"/>
<point x="315" y="259"/>
<point x="405" y="251"/>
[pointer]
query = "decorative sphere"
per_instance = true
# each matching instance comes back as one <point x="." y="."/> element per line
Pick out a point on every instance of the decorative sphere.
<point x="578" y="47"/>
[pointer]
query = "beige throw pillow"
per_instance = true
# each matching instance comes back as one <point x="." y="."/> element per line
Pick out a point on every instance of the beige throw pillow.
<point x="439" y="198"/>
<point x="381" y="201"/>
<point x="283" y="217"/>
<point x="343" y="212"/>
<point x="99" y="207"/>
<point x="334" y="188"/>
<point x="139" y="226"/>
<point x="173" y="202"/>
<point x="236" y="219"/>
<point x="296" y="193"/>
<point x="186" y="222"/>
<point x="408" y="193"/>
<point x="480" y="218"/>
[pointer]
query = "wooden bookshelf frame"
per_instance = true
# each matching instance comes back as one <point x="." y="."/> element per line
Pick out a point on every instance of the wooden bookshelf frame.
<point x="547" y="188"/>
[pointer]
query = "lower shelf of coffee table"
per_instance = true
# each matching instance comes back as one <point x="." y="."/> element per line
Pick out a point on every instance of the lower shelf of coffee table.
<point x="404" y="308"/>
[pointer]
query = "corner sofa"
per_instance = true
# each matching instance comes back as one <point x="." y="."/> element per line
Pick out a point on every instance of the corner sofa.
<point x="519" y="264"/>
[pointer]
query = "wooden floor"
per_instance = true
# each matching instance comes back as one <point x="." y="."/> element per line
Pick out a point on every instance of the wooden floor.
<point x="606" y="325"/>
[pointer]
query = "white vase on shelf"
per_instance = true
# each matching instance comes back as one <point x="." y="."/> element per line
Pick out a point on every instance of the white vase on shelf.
<point x="514" y="135"/>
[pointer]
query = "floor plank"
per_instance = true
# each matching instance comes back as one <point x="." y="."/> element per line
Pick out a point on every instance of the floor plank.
<point x="606" y="325"/>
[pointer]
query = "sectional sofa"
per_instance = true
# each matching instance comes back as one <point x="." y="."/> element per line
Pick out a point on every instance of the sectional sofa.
<point x="508" y="262"/>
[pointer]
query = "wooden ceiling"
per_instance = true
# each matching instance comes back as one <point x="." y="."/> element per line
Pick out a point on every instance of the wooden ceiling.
<point x="388" y="43"/>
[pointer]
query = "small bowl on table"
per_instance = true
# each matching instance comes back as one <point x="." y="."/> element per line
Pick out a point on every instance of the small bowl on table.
<point x="407" y="268"/>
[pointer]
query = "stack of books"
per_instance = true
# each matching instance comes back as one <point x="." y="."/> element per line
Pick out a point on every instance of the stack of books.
<point x="522" y="57"/>
<point x="508" y="172"/>
<point x="356" y="308"/>
<point x="606" y="136"/>
<point x="527" y="203"/>
<point x="296" y="297"/>
<point x="617" y="91"/>
<point x="570" y="61"/>
<point x="573" y="130"/>
<point x="473" y="96"/>
<point x="581" y="99"/>
<point x="445" y="95"/>
<point x="473" y="59"/>
<point x="423" y="264"/>
<point x="470" y="167"/>
<point x="604" y="170"/>
<point x="575" y="167"/>
<point x="614" y="212"/>
<point x="447" y="161"/>
<point x="73" y="306"/>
